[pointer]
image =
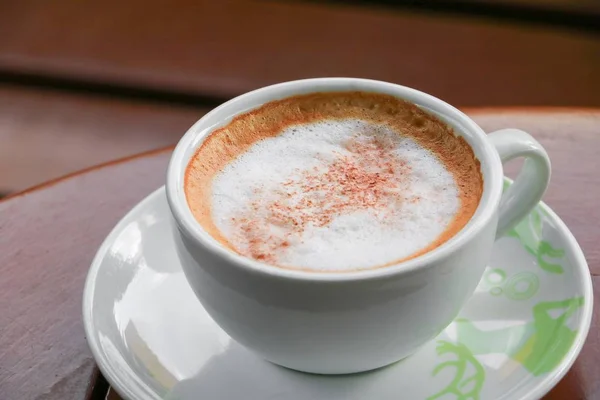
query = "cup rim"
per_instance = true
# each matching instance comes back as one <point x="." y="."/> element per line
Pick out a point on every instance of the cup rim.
<point x="195" y="135"/>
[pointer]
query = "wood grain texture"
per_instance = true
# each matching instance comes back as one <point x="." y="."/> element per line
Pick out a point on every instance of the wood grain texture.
<point x="224" y="48"/>
<point x="46" y="134"/>
<point x="48" y="238"/>
<point x="49" y="235"/>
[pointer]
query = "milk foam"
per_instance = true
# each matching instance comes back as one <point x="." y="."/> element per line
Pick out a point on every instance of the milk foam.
<point x="333" y="196"/>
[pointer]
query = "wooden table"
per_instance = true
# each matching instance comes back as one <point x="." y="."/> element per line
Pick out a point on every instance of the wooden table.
<point x="49" y="234"/>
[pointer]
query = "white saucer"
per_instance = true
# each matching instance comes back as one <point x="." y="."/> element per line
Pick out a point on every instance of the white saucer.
<point x="515" y="339"/>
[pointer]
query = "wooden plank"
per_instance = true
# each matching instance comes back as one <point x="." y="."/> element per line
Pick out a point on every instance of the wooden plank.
<point x="43" y="351"/>
<point x="46" y="134"/>
<point x="224" y="48"/>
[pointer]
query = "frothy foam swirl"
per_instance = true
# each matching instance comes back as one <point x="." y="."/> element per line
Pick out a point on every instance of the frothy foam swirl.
<point x="335" y="181"/>
<point x="334" y="195"/>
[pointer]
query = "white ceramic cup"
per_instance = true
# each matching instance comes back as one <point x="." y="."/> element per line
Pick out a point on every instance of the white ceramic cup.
<point x="336" y="323"/>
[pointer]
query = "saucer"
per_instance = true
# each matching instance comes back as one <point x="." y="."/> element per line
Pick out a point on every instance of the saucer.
<point x="515" y="339"/>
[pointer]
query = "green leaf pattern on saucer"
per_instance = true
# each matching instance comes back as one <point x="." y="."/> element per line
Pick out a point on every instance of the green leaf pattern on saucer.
<point x="529" y="233"/>
<point x="469" y="374"/>
<point x="535" y="339"/>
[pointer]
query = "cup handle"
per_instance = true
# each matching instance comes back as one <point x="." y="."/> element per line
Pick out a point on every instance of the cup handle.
<point x="531" y="183"/>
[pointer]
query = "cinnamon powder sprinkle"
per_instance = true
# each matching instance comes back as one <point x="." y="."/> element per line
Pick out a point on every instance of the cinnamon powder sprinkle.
<point x="368" y="177"/>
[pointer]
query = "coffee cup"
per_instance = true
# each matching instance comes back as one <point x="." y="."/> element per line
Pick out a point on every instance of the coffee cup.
<point x="329" y="322"/>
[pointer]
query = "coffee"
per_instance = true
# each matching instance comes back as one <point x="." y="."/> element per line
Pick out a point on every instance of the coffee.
<point x="333" y="182"/>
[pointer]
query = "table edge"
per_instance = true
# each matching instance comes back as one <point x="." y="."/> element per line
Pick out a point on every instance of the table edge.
<point x="52" y="182"/>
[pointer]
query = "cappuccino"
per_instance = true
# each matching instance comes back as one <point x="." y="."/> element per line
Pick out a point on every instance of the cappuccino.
<point x="333" y="182"/>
